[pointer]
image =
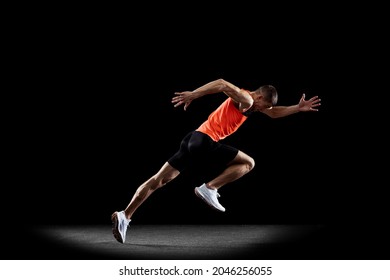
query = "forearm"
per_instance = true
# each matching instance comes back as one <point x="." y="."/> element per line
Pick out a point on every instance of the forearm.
<point x="282" y="111"/>
<point x="209" y="88"/>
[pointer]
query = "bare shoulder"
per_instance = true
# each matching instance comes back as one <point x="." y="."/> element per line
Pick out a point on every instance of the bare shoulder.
<point x="245" y="91"/>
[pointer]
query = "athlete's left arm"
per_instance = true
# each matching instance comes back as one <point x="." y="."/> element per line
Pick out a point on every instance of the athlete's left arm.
<point x="185" y="98"/>
<point x="303" y="106"/>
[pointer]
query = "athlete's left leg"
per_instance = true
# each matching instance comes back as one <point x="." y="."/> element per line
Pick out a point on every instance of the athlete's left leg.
<point x="238" y="167"/>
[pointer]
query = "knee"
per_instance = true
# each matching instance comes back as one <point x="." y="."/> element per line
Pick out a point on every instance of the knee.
<point x="166" y="179"/>
<point x="249" y="164"/>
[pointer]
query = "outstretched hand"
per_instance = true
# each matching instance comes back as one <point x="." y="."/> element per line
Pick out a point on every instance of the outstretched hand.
<point x="181" y="98"/>
<point x="309" y="105"/>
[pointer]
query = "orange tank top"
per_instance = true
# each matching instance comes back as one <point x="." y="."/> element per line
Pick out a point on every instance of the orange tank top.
<point x="225" y="120"/>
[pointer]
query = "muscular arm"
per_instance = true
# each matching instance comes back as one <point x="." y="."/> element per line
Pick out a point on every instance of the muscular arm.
<point x="302" y="106"/>
<point x="281" y="111"/>
<point x="244" y="101"/>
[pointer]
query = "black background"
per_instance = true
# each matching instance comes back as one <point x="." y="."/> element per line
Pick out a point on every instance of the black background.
<point x="95" y="119"/>
<point x="111" y="125"/>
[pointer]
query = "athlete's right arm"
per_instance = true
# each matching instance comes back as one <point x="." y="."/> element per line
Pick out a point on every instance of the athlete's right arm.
<point x="216" y="86"/>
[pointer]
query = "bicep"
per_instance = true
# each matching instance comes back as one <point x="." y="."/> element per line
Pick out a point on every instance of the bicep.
<point x="240" y="97"/>
<point x="269" y="112"/>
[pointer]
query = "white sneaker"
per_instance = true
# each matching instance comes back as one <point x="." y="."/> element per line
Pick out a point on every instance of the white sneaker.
<point x="210" y="196"/>
<point x="119" y="226"/>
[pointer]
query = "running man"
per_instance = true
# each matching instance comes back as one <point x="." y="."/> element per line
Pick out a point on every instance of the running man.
<point x="204" y="143"/>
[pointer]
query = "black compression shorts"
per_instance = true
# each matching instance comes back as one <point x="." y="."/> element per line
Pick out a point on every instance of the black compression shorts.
<point x="197" y="147"/>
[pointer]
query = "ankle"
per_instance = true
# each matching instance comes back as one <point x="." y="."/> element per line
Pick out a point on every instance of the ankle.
<point x="209" y="187"/>
<point x="127" y="215"/>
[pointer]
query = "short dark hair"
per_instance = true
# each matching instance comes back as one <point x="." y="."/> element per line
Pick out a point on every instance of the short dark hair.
<point x="269" y="92"/>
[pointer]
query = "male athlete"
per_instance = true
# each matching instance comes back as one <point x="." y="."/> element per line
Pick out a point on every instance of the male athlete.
<point x="204" y="143"/>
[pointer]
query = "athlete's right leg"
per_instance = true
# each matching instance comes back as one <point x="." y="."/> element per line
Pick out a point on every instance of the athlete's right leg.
<point x="122" y="219"/>
<point x="170" y="170"/>
<point x="166" y="174"/>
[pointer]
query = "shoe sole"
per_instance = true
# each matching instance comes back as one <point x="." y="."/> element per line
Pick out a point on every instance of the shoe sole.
<point x="198" y="194"/>
<point x="115" y="230"/>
